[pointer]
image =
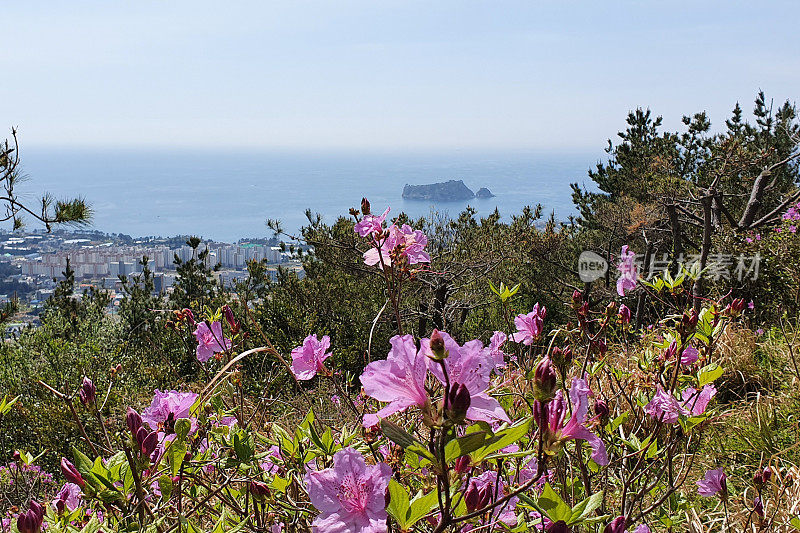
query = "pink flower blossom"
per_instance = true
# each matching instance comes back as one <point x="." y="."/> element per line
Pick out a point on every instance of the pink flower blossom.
<point x="170" y="405"/>
<point x="575" y="428"/>
<point x="405" y="241"/>
<point x="371" y="224"/>
<point x="210" y="340"/>
<point x="469" y="365"/>
<point x="351" y="496"/>
<point x="696" y="402"/>
<point x="628" y="271"/>
<point x="689" y="355"/>
<point x="308" y="359"/>
<point x="398" y="380"/>
<point x="664" y="407"/>
<point x="713" y="483"/>
<point x="495" y="351"/>
<point x="529" y="326"/>
<point x="68" y="498"/>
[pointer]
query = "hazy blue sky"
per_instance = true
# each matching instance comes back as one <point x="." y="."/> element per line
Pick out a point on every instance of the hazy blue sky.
<point x="381" y="74"/>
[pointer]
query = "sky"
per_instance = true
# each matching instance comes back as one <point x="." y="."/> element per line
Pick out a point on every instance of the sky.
<point x="374" y="74"/>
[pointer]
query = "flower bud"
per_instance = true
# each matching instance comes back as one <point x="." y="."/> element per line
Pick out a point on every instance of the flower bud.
<point x="189" y="316"/>
<point x="471" y="498"/>
<point x="230" y="319"/>
<point x="258" y="489"/>
<point x="601" y="410"/>
<point x="611" y="309"/>
<point x="31" y="520"/>
<point x="462" y="464"/>
<point x="436" y="344"/>
<point x="88" y="392"/>
<point x="365" y="207"/>
<point x="71" y="473"/>
<point x="149" y="444"/>
<point x="458" y="401"/>
<point x="541" y="415"/>
<point x="133" y="420"/>
<point x="766" y="475"/>
<point x="577" y="298"/>
<point x="758" y="507"/>
<point x="545" y="380"/>
<point x="616" y="526"/>
<point x="624" y="314"/>
<point x="557" y="527"/>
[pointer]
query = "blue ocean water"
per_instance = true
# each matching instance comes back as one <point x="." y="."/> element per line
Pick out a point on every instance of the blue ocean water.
<point x="227" y="195"/>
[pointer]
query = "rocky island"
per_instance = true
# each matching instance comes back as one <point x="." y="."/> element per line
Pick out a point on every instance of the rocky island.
<point x="448" y="191"/>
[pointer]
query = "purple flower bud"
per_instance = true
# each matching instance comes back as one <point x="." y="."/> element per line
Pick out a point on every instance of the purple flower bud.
<point x="189" y="316"/>
<point x="133" y="420"/>
<point x="758" y="507"/>
<point x="545" y="380"/>
<point x="624" y="314"/>
<point x="230" y="319"/>
<point x="31" y="520"/>
<point x="557" y="527"/>
<point x="458" y="401"/>
<point x="88" y="392"/>
<point x="485" y="496"/>
<point x="366" y="209"/>
<point x="463" y="464"/>
<point x="471" y="498"/>
<point x="766" y="475"/>
<point x="149" y="444"/>
<point x="601" y="410"/>
<point x="258" y="489"/>
<point x="71" y="473"/>
<point x="616" y="526"/>
<point x="541" y="415"/>
<point x="436" y="344"/>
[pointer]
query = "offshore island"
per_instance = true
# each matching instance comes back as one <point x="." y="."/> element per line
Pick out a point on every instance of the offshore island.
<point x="447" y="191"/>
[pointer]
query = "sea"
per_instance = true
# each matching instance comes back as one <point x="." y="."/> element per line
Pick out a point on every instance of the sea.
<point x="227" y="195"/>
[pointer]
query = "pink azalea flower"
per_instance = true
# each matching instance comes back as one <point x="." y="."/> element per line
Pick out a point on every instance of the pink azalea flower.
<point x="408" y="242"/>
<point x="469" y="365"/>
<point x="696" y="402"/>
<point x="628" y="271"/>
<point x="308" y="359"/>
<point x="351" y="496"/>
<point x="495" y="351"/>
<point x="170" y="405"/>
<point x="398" y="380"/>
<point x="371" y="224"/>
<point x="689" y="355"/>
<point x="210" y="340"/>
<point x="575" y="428"/>
<point x="68" y="498"/>
<point x="664" y="407"/>
<point x="269" y="465"/>
<point x="748" y="240"/>
<point x="793" y="229"/>
<point x="713" y="483"/>
<point x="529" y="326"/>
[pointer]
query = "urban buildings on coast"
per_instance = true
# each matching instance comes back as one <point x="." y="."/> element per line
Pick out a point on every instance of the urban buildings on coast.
<point x="32" y="262"/>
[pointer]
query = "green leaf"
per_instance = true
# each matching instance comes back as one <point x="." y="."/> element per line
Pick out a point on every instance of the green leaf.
<point x="421" y="505"/>
<point x="585" y="508"/>
<point x="795" y="522"/>
<point x="553" y="505"/>
<point x="82" y="462"/>
<point x="709" y="373"/>
<point x="182" y="428"/>
<point x="396" y="434"/>
<point x="92" y="526"/>
<point x="502" y="439"/>
<point x="399" y="504"/>
<point x="464" y="445"/>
